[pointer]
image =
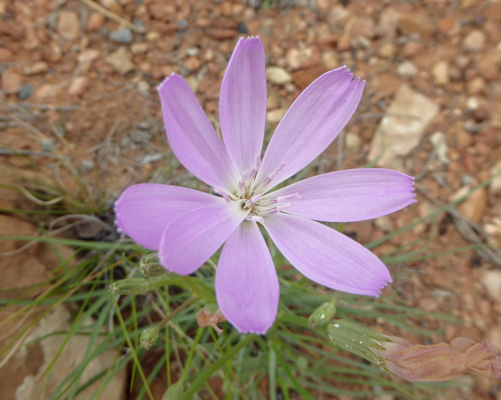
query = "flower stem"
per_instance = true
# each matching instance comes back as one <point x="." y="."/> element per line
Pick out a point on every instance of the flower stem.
<point x="187" y="366"/>
<point x="210" y="370"/>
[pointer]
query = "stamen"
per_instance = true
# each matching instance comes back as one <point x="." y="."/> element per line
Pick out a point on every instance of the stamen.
<point x="249" y="185"/>
<point x="275" y="210"/>
<point x="272" y="176"/>
<point x="224" y="194"/>
<point x="279" y="199"/>
<point x="252" y="200"/>
<point x="242" y="183"/>
<point x="292" y="196"/>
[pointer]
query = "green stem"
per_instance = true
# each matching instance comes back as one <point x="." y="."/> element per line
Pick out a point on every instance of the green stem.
<point x="133" y="351"/>
<point x="194" y="345"/>
<point x="209" y="371"/>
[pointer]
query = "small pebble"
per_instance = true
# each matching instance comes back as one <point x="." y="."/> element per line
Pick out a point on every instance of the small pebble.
<point x="123" y="35"/>
<point x="25" y="91"/>
<point x="241" y="28"/>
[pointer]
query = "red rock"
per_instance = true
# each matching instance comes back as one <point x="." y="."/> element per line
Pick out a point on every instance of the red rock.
<point x="304" y="76"/>
<point x="193" y="63"/>
<point x="415" y="23"/>
<point x="493" y="12"/>
<point x="449" y="25"/>
<point x="96" y="21"/>
<point x="222" y="33"/>
<point x="360" y="26"/>
<point x="68" y="24"/>
<point x="162" y="11"/>
<point x="78" y="85"/>
<point x="412" y="49"/>
<point x="6" y="55"/>
<point x="490" y="65"/>
<point x="38" y="67"/>
<point x="11" y="81"/>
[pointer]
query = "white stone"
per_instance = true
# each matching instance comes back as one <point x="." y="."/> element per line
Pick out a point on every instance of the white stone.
<point x="495" y="185"/>
<point x="474" y="41"/>
<point x="36" y="387"/>
<point x="278" y="76"/>
<point x="120" y="61"/>
<point x="492" y="282"/>
<point x="402" y="128"/>
<point x="407" y="70"/>
<point x="352" y="142"/>
<point x="440" y="147"/>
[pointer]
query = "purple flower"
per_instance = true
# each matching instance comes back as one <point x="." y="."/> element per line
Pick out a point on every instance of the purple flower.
<point x="187" y="227"/>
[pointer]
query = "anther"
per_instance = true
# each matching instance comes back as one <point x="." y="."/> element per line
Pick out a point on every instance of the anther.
<point x="242" y="183"/>
<point x="252" y="200"/>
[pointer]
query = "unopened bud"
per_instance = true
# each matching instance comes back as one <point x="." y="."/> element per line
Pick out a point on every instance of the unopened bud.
<point x="358" y="339"/>
<point x="417" y="363"/>
<point x="322" y="315"/>
<point x="441" y="361"/>
<point x="148" y="337"/>
<point x="130" y="286"/>
<point x="150" y="266"/>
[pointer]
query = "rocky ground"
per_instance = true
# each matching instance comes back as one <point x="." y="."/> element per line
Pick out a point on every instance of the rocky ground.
<point x="78" y="79"/>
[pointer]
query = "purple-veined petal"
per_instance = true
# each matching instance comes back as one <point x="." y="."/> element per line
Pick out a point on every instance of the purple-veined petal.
<point x="192" y="137"/>
<point x="242" y="105"/>
<point x="326" y="256"/>
<point x="191" y="239"/>
<point x="314" y="120"/>
<point x="350" y="195"/>
<point x="247" y="288"/>
<point x="143" y="211"/>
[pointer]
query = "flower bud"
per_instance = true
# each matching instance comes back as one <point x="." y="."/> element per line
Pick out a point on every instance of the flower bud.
<point x="148" y="337"/>
<point x="441" y="361"/>
<point x="358" y="339"/>
<point x="417" y="363"/>
<point x="150" y="266"/>
<point x="322" y="315"/>
<point x="130" y="286"/>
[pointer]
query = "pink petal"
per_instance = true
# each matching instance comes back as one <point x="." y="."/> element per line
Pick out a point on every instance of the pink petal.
<point x="350" y="195"/>
<point x="242" y="106"/>
<point x="247" y="287"/>
<point x="311" y="124"/>
<point x="326" y="256"/>
<point x="191" y="239"/>
<point x="192" y="137"/>
<point x="143" y="211"/>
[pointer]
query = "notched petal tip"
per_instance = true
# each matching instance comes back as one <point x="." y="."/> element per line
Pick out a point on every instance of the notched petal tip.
<point x="118" y="216"/>
<point x="163" y="85"/>
<point x="252" y="331"/>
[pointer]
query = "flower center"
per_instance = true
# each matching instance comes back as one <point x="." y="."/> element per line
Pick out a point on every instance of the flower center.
<point x="253" y="199"/>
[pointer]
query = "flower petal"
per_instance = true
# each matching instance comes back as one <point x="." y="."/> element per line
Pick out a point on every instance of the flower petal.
<point x="326" y="256"/>
<point x="350" y="195"/>
<point x="143" y="211"/>
<point x="247" y="288"/>
<point x="191" y="239"/>
<point x="242" y="106"/>
<point x="192" y="137"/>
<point x="314" y="120"/>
